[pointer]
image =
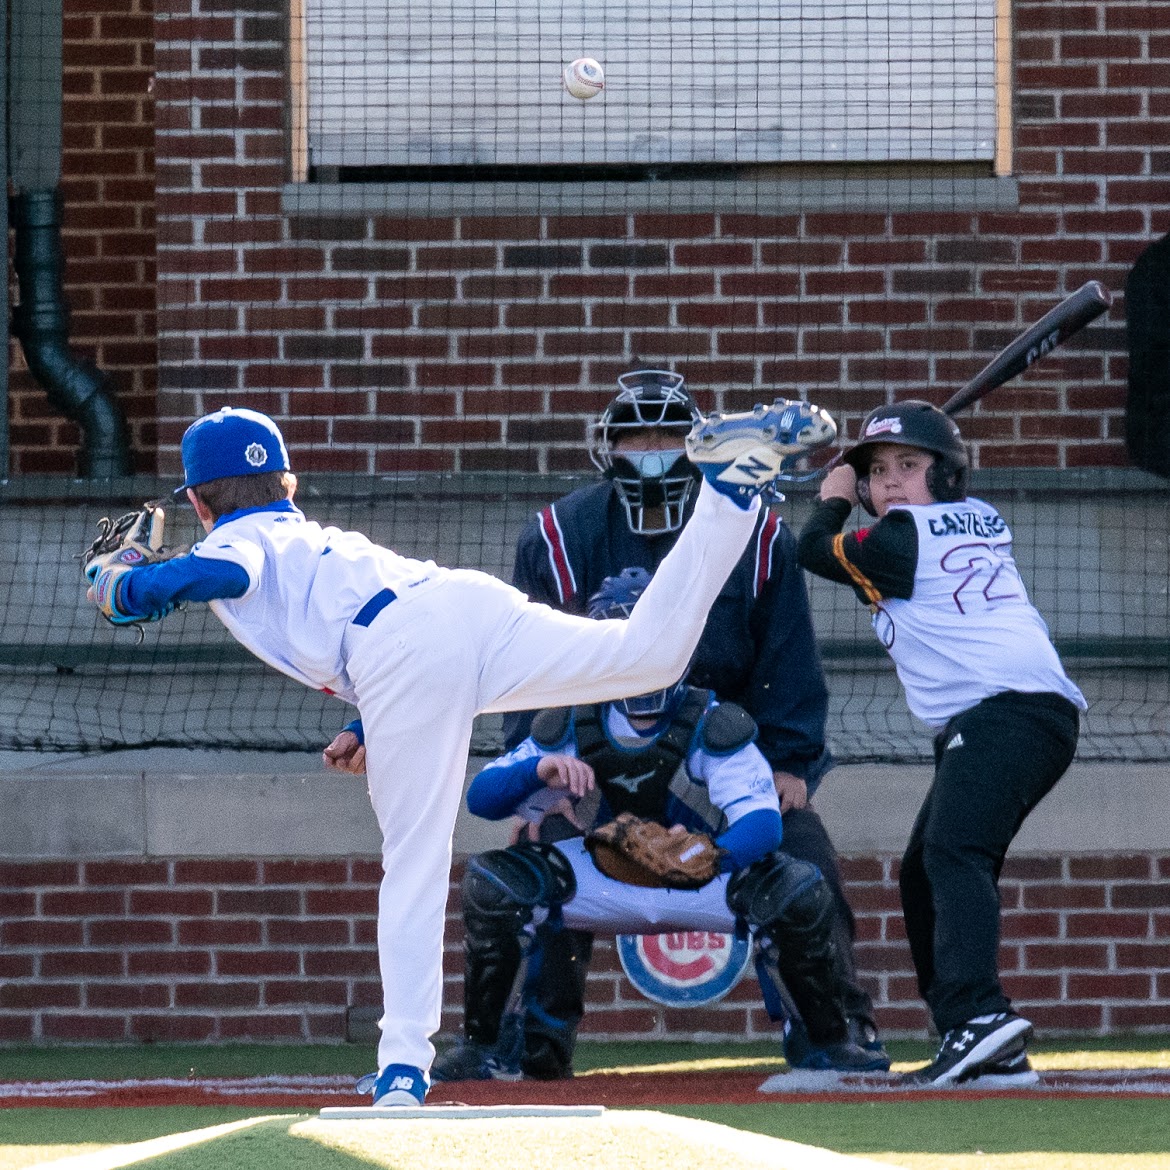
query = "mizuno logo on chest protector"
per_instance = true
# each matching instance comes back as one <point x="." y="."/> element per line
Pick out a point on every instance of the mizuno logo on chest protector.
<point x="631" y="783"/>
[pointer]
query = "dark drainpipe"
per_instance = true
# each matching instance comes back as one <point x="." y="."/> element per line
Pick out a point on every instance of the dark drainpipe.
<point x="74" y="387"/>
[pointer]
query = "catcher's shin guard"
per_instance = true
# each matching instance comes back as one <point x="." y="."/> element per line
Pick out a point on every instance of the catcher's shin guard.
<point x="501" y="890"/>
<point x="790" y="907"/>
<point x="555" y="1002"/>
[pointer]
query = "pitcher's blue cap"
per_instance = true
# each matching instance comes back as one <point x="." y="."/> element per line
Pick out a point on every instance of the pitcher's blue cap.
<point x="232" y="441"/>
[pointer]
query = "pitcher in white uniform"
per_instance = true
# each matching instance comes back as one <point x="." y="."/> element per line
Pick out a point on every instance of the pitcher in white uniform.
<point x="977" y="666"/>
<point x="421" y="650"/>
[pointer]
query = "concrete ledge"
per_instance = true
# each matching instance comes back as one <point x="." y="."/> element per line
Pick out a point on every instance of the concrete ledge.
<point x="741" y="196"/>
<point x="174" y="803"/>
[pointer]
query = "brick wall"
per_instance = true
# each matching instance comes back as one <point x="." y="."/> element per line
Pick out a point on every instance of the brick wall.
<point x="474" y="343"/>
<point x="237" y="949"/>
<point x="108" y="187"/>
<point x="485" y="342"/>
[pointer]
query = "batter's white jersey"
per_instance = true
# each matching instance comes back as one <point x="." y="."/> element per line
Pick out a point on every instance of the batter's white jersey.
<point x="298" y="618"/>
<point x="968" y="631"/>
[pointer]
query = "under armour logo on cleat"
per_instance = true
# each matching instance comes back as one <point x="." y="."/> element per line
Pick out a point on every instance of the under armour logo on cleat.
<point x="963" y="1040"/>
<point x="957" y="741"/>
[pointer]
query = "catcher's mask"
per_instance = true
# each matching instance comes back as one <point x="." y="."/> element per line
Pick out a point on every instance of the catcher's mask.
<point x="913" y="424"/>
<point x="656" y="401"/>
<point x="615" y="599"/>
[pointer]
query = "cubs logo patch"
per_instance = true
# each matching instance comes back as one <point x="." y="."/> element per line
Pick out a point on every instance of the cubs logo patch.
<point x="255" y="454"/>
<point x="683" y="968"/>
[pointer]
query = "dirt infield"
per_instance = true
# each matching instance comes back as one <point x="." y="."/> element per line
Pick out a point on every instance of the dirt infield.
<point x="615" y="1090"/>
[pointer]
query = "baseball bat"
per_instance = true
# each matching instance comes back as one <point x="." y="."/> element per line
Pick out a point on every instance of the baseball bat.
<point x="1037" y="341"/>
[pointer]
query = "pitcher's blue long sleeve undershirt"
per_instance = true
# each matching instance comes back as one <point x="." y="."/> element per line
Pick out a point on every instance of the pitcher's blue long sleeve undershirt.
<point x="151" y="588"/>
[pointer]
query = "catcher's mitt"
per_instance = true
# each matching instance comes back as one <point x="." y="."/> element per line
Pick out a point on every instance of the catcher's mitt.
<point x="121" y="545"/>
<point x="645" y="853"/>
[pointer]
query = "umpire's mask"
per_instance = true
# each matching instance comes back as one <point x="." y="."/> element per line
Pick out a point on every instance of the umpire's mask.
<point x="648" y="402"/>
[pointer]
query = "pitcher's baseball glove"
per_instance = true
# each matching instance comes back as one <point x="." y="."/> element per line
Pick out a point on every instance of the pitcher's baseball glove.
<point x="121" y="545"/>
<point x="645" y="853"/>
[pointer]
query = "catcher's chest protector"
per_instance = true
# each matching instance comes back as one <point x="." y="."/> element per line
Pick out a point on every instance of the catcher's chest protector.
<point x="638" y="782"/>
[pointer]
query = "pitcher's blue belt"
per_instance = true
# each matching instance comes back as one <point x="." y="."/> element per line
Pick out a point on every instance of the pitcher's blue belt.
<point x="374" y="606"/>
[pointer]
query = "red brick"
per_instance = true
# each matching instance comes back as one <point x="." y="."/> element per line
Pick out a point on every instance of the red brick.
<point x="76" y="1029"/>
<point x="127" y="995"/>
<point x="1139" y="895"/>
<point x="1055" y="956"/>
<point x="59" y="964"/>
<point x="1152" y="954"/>
<point x="172" y="1027"/>
<point x="219" y="932"/>
<point x="225" y="872"/>
<point x="1134" y="1016"/>
<point x="16" y="1029"/>
<point x="315" y="932"/>
<point x="22" y="905"/>
<point x="317" y="873"/>
<point x="265" y="962"/>
<point x="32" y="932"/>
<point x="306" y="991"/>
<point x="258" y="902"/>
<point x="342" y="963"/>
<point x="39" y="873"/>
<point x="34" y="996"/>
<point x="170" y="962"/>
<point x="82" y="903"/>
<point x="105" y="932"/>
<point x="1109" y="986"/>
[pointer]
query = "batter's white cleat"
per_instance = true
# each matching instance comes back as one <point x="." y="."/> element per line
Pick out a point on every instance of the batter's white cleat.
<point x="742" y="454"/>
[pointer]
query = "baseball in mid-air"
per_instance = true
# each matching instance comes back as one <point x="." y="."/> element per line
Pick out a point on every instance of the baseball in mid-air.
<point x="584" y="78"/>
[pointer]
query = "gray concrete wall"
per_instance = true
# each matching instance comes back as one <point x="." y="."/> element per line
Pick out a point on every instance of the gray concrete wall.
<point x="173" y="803"/>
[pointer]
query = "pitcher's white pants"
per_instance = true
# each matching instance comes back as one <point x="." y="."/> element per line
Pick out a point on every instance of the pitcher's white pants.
<point x="429" y="663"/>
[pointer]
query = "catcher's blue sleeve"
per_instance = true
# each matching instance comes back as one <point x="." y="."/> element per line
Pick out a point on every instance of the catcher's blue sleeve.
<point x="504" y="784"/>
<point x="751" y="837"/>
<point x="151" y="589"/>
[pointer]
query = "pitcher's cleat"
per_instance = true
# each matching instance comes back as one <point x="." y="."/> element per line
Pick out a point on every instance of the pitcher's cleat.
<point x="396" y="1085"/>
<point x="742" y="454"/>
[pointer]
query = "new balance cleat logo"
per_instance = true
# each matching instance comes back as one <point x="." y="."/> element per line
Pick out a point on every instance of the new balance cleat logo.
<point x="406" y="1083"/>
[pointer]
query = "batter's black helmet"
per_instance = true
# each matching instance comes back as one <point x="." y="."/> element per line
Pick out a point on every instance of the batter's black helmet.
<point x="648" y="400"/>
<point x="914" y="424"/>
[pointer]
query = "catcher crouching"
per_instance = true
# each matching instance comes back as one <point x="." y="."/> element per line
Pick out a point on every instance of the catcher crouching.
<point x="687" y="837"/>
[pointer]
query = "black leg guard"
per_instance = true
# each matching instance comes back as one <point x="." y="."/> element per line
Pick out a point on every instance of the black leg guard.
<point x="556" y="1002"/>
<point x="501" y="889"/>
<point x="806" y="839"/>
<point x="789" y="905"/>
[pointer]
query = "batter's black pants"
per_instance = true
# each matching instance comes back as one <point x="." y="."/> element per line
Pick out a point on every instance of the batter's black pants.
<point x="993" y="765"/>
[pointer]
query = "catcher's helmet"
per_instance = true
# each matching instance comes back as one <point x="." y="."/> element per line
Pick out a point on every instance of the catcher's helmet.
<point x="648" y="400"/>
<point x="615" y="599"/>
<point x="914" y="424"/>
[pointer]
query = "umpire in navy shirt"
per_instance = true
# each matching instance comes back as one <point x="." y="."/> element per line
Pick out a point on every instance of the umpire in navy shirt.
<point x="758" y="650"/>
